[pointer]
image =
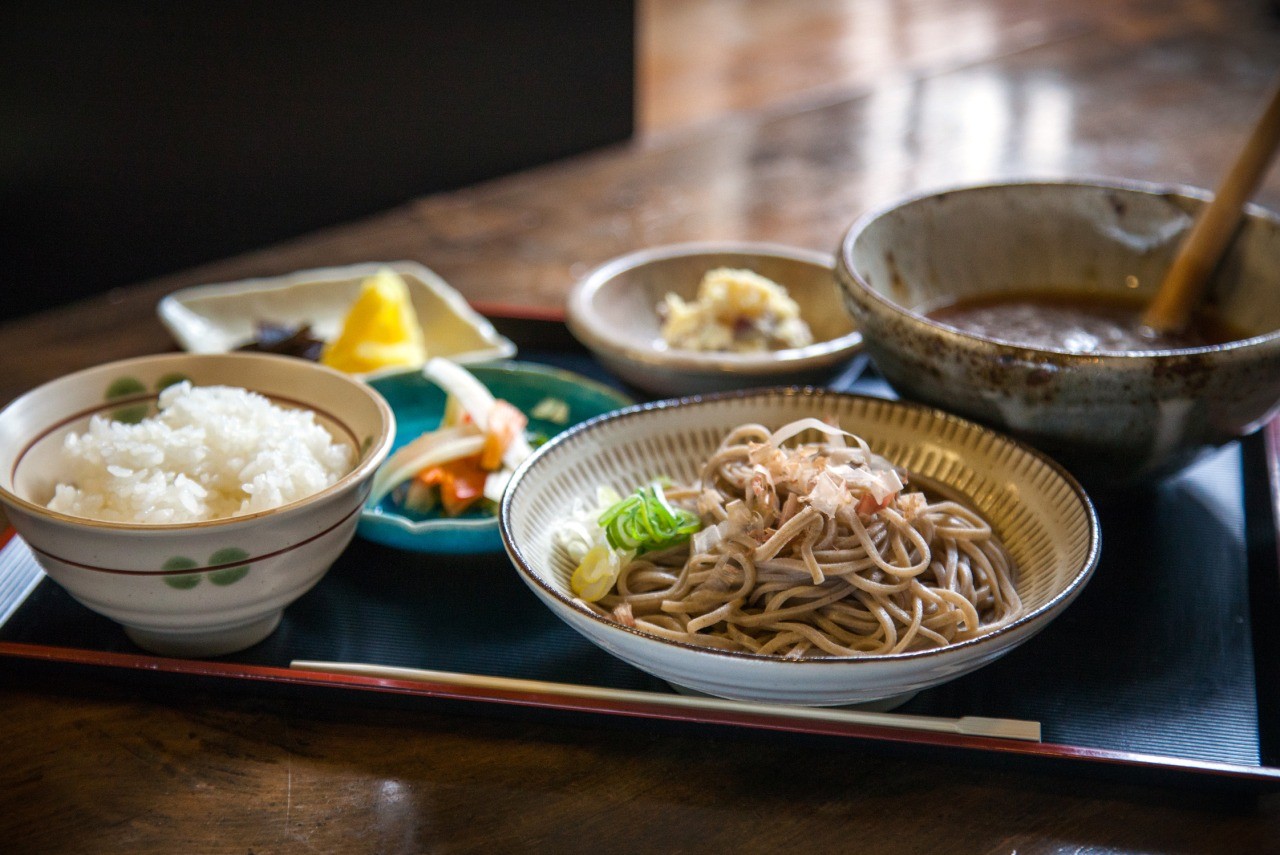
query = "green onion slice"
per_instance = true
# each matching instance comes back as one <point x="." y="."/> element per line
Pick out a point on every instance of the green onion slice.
<point x="646" y="522"/>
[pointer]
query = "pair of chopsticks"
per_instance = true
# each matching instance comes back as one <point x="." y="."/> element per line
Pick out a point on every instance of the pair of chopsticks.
<point x="999" y="728"/>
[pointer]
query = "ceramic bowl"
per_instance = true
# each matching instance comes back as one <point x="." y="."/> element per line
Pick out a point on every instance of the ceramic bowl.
<point x="418" y="405"/>
<point x="195" y="589"/>
<point x="1114" y="419"/>
<point x="1044" y="518"/>
<point x="613" y="311"/>
<point x="219" y="318"/>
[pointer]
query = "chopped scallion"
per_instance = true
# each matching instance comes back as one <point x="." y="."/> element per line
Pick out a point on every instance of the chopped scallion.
<point x="646" y="522"/>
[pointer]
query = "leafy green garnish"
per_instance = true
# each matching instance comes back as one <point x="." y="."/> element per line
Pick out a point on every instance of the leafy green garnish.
<point x="645" y="522"/>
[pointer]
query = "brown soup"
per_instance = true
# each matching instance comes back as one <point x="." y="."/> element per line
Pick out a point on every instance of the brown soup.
<point x="1076" y="322"/>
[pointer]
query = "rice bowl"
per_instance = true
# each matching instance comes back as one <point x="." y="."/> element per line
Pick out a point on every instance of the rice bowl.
<point x="210" y="452"/>
<point x="201" y="587"/>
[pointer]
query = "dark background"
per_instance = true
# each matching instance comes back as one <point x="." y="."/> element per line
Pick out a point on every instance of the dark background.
<point x="140" y="138"/>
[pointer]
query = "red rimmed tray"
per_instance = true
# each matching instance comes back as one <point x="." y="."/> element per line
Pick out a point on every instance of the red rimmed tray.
<point x="1159" y="668"/>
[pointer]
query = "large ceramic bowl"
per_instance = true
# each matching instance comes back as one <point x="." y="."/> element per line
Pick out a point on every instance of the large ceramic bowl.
<point x="202" y="588"/>
<point x="1114" y="419"/>
<point x="614" y="311"/>
<point x="1043" y="517"/>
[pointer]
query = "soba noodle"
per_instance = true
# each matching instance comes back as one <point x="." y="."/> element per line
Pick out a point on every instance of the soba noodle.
<point x="816" y="550"/>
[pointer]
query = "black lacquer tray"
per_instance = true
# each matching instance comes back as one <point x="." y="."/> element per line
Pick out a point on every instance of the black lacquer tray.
<point x="1167" y="666"/>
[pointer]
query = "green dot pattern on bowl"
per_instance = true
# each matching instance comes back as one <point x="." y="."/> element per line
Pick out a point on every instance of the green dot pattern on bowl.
<point x="184" y="582"/>
<point x="228" y="575"/>
<point x="170" y="380"/>
<point x="130" y="415"/>
<point x="123" y="387"/>
<point x="223" y="576"/>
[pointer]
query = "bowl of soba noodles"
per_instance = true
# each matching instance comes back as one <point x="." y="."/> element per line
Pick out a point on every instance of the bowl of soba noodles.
<point x="1019" y="305"/>
<point x="796" y="545"/>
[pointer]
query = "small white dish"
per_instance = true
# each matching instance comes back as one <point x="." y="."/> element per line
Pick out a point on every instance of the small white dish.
<point x="613" y="310"/>
<point x="220" y="318"/>
<point x="1044" y="518"/>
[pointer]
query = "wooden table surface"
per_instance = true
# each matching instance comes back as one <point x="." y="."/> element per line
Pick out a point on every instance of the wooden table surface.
<point x="906" y="96"/>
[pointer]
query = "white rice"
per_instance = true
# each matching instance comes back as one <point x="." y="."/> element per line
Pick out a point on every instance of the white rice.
<point x="211" y="452"/>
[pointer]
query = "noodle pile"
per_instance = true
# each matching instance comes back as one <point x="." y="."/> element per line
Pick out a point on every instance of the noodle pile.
<point x="816" y="550"/>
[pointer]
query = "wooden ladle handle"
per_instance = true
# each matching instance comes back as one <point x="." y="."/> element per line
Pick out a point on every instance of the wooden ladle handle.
<point x="1184" y="283"/>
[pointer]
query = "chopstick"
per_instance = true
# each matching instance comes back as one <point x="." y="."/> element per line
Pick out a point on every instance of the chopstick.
<point x="1211" y="233"/>
<point x="1000" y="728"/>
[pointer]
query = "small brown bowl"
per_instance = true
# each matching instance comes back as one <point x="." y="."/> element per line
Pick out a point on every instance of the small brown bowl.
<point x="1115" y="419"/>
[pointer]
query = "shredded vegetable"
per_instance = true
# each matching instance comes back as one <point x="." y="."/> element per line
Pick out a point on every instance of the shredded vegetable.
<point x="468" y="458"/>
<point x="430" y="449"/>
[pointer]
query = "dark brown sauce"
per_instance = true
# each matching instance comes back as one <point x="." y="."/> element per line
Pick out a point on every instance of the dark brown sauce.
<point x="1077" y="322"/>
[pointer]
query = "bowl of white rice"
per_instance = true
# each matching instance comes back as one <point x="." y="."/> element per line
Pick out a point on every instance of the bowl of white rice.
<point x="192" y="497"/>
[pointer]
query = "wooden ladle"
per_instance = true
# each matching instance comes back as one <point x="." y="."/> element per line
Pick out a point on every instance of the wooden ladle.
<point x="1201" y="250"/>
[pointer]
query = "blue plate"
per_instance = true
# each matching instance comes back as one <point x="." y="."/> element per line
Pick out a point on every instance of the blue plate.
<point x="419" y="406"/>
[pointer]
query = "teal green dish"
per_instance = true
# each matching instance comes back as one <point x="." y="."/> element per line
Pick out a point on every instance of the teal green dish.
<point x="418" y="405"/>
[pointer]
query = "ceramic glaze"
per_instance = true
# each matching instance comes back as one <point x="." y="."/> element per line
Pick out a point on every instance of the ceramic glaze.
<point x="222" y="317"/>
<point x="419" y="406"/>
<point x="203" y="588"/>
<point x="1040" y="513"/>
<point x="613" y="310"/>
<point x="1116" y="420"/>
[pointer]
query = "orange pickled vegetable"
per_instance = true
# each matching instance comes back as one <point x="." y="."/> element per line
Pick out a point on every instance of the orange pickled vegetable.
<point x="505" y="424"/>
<point x="461" y="483"/>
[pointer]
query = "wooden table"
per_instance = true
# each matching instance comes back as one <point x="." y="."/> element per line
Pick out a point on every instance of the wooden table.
<point x="936" y="93"/>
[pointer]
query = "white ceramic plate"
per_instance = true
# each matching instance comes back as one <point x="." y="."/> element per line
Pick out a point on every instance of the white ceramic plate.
<point x="219" y="318"/>
<point x="1043" y="517"/>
